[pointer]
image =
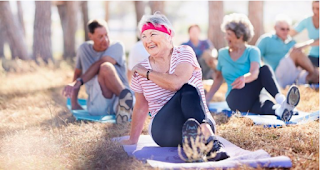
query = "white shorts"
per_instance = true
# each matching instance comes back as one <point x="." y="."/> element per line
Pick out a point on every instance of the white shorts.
<point x="287" y="73"/>
<point x="97" y="104"/>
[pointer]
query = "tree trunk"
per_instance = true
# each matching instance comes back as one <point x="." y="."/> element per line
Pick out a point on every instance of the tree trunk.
<point x="157" y="6"/>
<point x="20" y="17"/>
<point x="2" y="40"/>
<point x="139" y="7"/>
<point x="106" y="8"/>
<point x="68" y="16"/>
<point x="85" y="19"/>
<point x="14" y="34"/>
<point x="42" y="31"/>
<point x="215" y="35"/>
<point x="256" y="17"/>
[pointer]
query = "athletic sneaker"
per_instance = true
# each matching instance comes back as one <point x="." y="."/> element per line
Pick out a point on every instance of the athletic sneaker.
<point x="285" y="111"/>
<point x="125" y="106"/>
<point x="218" y="149"/>
<point x="190" y="132"/>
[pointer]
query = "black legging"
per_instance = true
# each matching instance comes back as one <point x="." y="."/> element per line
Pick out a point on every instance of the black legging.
<point x="247" y="98"/>
<point x="167" y="125"/>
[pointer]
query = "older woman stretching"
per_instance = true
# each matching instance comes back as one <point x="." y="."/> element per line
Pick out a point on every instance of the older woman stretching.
<point x="239" y="65"/>
<point x="168" y="85"/>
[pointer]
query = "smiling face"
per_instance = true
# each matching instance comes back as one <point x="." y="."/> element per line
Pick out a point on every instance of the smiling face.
<point x="232" y="39"/>
<point x="155" y="42"/>
<point x="100" y="39"/>
<point x="282" y="30"/>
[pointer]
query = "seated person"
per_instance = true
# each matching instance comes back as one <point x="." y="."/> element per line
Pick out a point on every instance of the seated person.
<point x="239" y="66"/>
<point x="205" y="52"/>
<point x="100" y="65"/>
<point x="312" y="25"/>
<point x="280" y="51"/>
<point x="137" y="54"/>
<point x="168" y="86"/>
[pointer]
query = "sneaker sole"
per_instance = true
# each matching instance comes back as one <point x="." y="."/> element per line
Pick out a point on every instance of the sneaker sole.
<point x="190" y="130"/>
<point x="293" y="96"/>
<point x="127" y="104"/>
<point x="287" y="115"/>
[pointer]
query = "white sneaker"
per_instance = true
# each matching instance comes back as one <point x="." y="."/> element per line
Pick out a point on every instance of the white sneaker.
<point x="285" y="111"/>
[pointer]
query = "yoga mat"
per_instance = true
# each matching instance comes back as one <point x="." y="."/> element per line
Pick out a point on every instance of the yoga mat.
<point x="148" y="151"/>
<point x="266" y="120"/>
<point x="85" y="115"/>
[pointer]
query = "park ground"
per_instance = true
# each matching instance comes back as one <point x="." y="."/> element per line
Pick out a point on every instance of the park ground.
<point x="37" y="131"/>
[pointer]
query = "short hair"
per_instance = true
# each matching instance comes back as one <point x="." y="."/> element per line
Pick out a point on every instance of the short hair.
<point x="239" y="24"/>
<point x="96" y="23"/>
<point x="193" y="25"/>
<point x="156" y="19"/>
<point x="283" y="18"/>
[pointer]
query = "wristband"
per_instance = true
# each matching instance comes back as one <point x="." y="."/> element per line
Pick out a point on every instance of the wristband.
<point x="81" y="81"/>
<point x="148" y="72"/>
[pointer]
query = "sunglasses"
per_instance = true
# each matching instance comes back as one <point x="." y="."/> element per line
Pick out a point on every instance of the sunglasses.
<point x="284" y="29"/>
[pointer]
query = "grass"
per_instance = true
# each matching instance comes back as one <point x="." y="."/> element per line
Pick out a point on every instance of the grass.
<point x="38" y="132"/>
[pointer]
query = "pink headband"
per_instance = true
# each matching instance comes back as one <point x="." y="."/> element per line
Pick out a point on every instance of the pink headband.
<point x="161" y="28"/>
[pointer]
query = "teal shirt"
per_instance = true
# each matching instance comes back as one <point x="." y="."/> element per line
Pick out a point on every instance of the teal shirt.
<point x="273" y="49"/>
<point x="230" y="69"/>
<point x="313" y="33"/>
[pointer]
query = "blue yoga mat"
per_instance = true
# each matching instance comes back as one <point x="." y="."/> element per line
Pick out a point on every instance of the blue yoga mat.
<point x="84" y="114"/>
<point x="265" y="120"/>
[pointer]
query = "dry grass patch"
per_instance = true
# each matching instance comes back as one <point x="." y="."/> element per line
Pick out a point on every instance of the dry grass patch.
<point x="38" y="132"/>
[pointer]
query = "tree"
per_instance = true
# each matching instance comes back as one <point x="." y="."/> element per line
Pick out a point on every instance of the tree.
<point x="215" y="19"/>
<point x="68" y="16"/>
<point x="85" y="19"/>
<point x="42" y="31"/>
<point x="20" y="17"/>
<point x="14" y="32"/>
<point x="139" y="7"/>
<point x="106" y="8"/>
<point x="256" y="17"/>
<point x="157" y="6"/>
<point x="2" y="40"/>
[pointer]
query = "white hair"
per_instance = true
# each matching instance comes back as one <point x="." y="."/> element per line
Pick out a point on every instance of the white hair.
<point x="239" y="24"/>
<point x="156" y="19"/>
<point x="283" y="18"/>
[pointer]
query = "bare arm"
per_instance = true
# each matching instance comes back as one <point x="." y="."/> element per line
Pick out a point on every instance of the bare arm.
<point x="74" y="98"/>
<point x="172" y="82"/>
<point x="94" y="68"/>
<point x="293" y="33"/>
<point x="215" y="86"/>
<point x="88" y="75"/>
<point x="139" y="115"/>
<point x="253" y="74"/>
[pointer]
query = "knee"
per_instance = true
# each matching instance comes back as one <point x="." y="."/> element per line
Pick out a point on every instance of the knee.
<point x="106" y="68"/>
<point x="265" y="70"/>
<point x="189" y="90"/>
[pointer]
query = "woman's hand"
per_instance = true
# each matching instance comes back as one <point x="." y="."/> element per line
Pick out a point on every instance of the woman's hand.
<point x="239" y="83"/>
<point x="140" y="70"/>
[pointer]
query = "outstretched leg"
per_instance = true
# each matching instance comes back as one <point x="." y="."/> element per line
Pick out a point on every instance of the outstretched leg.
<point x="301" y="60"/>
